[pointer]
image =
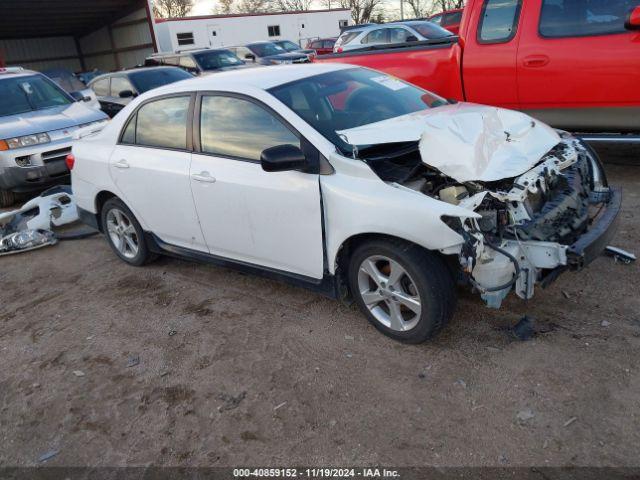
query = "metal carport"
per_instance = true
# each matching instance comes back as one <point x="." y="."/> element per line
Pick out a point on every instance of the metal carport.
<point x="76" y="34"/>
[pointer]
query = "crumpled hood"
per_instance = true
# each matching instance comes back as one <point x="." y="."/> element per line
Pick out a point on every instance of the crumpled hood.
<point x="48" y="120"/>
<point x="466" y="141"/>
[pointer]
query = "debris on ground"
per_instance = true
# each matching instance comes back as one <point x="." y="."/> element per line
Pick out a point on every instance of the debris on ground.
<point x="620" y="255"/>
<point x="525" y="415"/>
<point x="349" y="337"/>
<point x="133" y="361"/>
<point x="523" y="330"/>
<point x="31" y="226"/>
<point x="566" y="294"/>
<point x="230" y="402"/>
<point x="78" y="373"/>
<point x="48" y="455"/>
<point x="172" y="333"/>
<point x="570" y="421"/>
<point x="460" y="382"/>
<point x="277" y="407"/>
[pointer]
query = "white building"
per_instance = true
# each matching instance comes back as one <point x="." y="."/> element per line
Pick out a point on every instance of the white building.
<point x="225" y="30"/>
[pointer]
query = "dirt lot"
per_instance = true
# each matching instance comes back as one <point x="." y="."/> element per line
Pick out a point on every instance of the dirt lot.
<point x="185" y="364"/>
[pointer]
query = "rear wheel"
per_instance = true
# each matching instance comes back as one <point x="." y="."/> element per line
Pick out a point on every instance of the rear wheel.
<point x="405" y="291"/>
<point x="124" y="233"/>
<point x="7" y="198"/>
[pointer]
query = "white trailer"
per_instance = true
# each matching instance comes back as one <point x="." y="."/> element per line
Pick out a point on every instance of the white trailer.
<point x="224" y="30"/>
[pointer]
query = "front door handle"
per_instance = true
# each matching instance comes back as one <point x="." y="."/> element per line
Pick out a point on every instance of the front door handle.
<point x="203" y="177"/>
<point x="121" y="164"/>
<point x="535" y="61"/>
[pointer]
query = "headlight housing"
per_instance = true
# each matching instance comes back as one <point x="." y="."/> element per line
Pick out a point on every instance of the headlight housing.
<point x="27" y="140"/>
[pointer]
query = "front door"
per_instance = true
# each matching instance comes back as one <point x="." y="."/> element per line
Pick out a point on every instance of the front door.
<point x="271" y="219"/>
<point x="578" y="67"/>
<point x="150" y="166"/>
<point x="213" y="32"/>
<point x="489" y="64"/>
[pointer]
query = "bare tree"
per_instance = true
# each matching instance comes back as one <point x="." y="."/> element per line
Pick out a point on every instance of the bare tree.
<point x="224" y="7"/>
<point x="172" y="8"/>
<point x="253" y="6"/>
<point x="362" y="11"/>
<point x="291" y="5"/>
<point x="443" y="5"/>
<point x="420" y="8"/>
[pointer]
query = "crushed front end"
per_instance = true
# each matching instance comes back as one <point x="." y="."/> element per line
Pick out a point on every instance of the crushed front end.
<point x="558" y="216"/>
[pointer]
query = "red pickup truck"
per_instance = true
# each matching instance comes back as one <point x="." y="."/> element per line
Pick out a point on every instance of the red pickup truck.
<point x="574" y="64"/>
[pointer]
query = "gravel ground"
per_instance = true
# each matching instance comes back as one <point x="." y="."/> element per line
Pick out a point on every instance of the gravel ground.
<point x="185" y="364"/>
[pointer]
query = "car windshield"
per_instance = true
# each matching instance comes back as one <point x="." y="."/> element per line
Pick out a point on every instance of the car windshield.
<point x="145" y="80"/>
<point x="430" y="30"/>
<point x="217" y="59"/>
<point x="266" y="49"/>
<point x="351" y="98"/>
<point x="288" y="45"/>
<point x="29" y="93"/>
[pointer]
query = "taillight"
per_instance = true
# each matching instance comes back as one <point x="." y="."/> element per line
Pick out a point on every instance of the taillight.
<point x="339" y="50"/>
<point x="70" y="161"/>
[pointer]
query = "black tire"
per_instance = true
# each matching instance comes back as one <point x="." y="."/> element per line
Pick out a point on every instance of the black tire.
<point x="429" y="275"/>
<point x="7" y="198"/>
<point x="143" y="255"/>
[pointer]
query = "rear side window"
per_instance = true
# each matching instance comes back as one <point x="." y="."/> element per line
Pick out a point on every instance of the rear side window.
<point x="499" y="21"/>
<point x="347" y="37"/>
<point x="316" y="44"/>
<point x="239" y="128"/>
<point x="568" y="18"/>
<point x="101" y="87"/>
<point x="161" y="123"/>
<point x="328" y="44"/>
<point x="452" y="18"/>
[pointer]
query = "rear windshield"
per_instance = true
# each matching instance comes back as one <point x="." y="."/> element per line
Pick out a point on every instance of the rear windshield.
<point x="430" y="30"/>
<point x="145" y="80"/>
<point x="347" y="37"/>
<point x="217" y="59"/>
<point x="26" y="94"/>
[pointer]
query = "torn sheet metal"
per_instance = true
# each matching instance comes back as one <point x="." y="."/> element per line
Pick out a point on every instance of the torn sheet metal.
<point x="466" y="142"/>
<point x="53" y="208"/>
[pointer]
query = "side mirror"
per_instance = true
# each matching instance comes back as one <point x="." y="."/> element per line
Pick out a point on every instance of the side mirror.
<point x="250" y="56"/>
<point x="126" y="94"/>
<point x="78" y="96"/>
<point x="412" y="38"/>
<point x="633" y="19"/>
<point x="283" y="158"/>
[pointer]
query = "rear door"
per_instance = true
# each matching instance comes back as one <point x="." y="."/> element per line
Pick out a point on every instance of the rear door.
<point x="489" y="61"/>
<point x="150" y="166"/>
<point x="578" y="68"/>
<point x="271" y="219"/>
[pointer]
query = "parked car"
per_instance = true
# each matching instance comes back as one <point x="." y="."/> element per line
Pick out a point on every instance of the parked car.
<point x="375" y="35"/>
<point x="86" y="77"/>
<point x="37" y="121"/>
<point x="73" y="86"/>
<point x="322" y="46"/>
<point x="268" y="53"/>
<point x="199" y="62"/>
<point x="574" y="65"/>
<point x="350" y="182"/>
<point x="289" y="46"/>
<point x="117" y="89"/>
<point x="450" y="20"/>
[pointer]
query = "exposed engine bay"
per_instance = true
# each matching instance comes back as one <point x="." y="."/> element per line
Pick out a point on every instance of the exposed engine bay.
<point x="520" y="229"/>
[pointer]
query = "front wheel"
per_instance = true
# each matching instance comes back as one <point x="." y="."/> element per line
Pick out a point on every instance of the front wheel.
<point x="406" y="292"/>
<point x="124" y="233"/>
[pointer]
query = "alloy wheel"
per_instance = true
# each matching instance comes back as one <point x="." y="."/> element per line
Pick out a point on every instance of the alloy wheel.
<point x="122" y="233"/>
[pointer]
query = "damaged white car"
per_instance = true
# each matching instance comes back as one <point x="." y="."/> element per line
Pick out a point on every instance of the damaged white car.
<point x="349" y="182"/>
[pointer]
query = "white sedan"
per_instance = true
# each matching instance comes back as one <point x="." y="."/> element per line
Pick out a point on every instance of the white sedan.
<point x="349" y="182"/>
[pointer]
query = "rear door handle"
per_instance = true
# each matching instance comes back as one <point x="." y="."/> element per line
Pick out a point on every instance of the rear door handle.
<point x="121" y="164"/>
<point x="535" y="61"/>
<point x="203" y="177"/>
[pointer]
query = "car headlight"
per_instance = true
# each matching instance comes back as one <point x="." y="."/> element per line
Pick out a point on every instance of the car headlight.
<point x="25" y="141"/>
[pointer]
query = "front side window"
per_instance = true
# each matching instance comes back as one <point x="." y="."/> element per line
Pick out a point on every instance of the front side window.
<point x="499" y="21"/>
<point x="398" y="35"/>
<point x="101" y="87"/>
<point x="234" y="127"/>
<point x="185" y="38"/>
<point x="429" y="31"/>
<point x="162" y="123"/>
<point x="27" y="93"/>
<point x="351" y="98"/>
<point x="120" y="84"/>
<point x="437" y="19"/>
<point x="569" y="18"/>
